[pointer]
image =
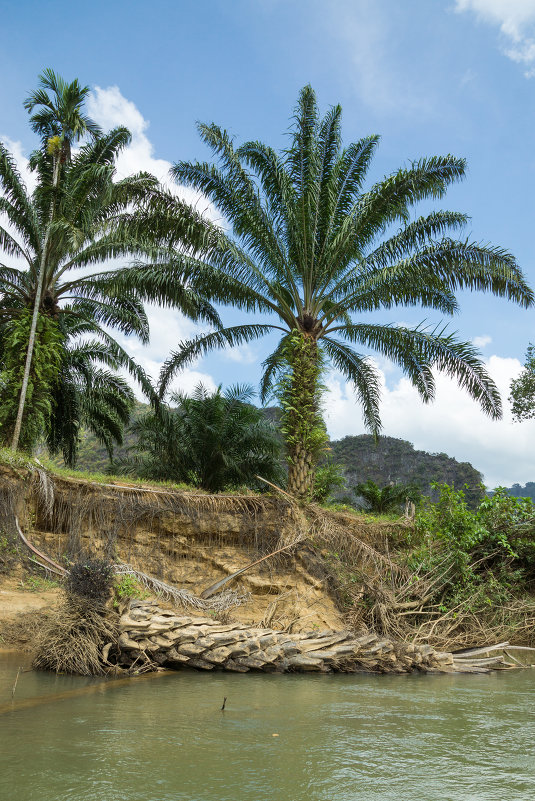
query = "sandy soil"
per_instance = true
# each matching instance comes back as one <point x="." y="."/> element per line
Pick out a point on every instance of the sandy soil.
<point x="21" y="612"/>
<point x="16" y="599"/>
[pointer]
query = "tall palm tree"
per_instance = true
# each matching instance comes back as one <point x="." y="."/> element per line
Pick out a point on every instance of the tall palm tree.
<point x="310" y="246"/>
<point x="91" y="224"/>
<point x="59" y="121"/>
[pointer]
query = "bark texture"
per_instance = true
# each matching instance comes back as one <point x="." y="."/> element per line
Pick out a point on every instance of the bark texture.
<point x="302" y="423"/>
<point x="154" y="636"/>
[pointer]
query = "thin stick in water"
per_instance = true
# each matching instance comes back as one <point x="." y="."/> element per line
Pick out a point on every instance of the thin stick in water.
<point x="15" y="684"/>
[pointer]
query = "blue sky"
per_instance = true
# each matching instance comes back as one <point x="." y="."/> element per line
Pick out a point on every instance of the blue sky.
<point x="453" y="76"/>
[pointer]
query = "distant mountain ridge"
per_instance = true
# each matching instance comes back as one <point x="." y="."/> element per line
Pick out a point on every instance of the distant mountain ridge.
<point x="523" y="492"/>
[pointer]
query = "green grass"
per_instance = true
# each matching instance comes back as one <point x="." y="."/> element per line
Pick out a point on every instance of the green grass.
<point x="108" y="478"/>
<point x="16" y="459"/>
<point x="20" y="460"/>
<point x="361" y="514"/>
<point x="38" y="584"/>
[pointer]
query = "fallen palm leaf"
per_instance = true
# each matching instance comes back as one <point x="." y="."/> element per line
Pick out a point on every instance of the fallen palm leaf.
<point x="182" y="597"/>
<point x="40" y="554"/>
<point x="213" y="588"/>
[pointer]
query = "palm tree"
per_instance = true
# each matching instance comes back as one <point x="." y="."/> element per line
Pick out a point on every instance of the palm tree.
<point x="386" y="499"/>
<point x="316" y="251"/>
<point x="214" y="441"/>
<point x="59" y="121"/>
<point x="90" y="223"/>
<point x="87" y="394"/>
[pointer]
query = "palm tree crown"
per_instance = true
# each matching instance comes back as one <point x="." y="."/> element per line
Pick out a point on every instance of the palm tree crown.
<point x="312" y="247"/>
<point x="59" y="232"/>
<point x="60" y="115"/>
<point x="92" y="226"/>
<point x="215" y="441"/>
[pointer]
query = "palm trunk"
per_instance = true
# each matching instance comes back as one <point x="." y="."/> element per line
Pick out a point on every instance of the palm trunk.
<point x="33" y="327"/>
<point x="302" y="422"/>
<point x="301" y="471"/>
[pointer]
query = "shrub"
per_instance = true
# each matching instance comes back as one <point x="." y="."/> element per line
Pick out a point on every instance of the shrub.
<point x="127" y="587"/>
<point x="91" y="579"/>
<point x="329" y="476"/>
<point x="215" y="441"/>
<point x="493" y="544"/>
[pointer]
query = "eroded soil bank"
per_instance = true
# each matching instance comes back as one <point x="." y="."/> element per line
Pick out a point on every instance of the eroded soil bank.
<point x="189" y="540"/>
<point x="323" y="582"/>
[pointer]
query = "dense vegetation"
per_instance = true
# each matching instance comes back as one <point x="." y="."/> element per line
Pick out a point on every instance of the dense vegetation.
<point x="518" y="491"/>
<point x="385" y="461"/>
<point x="215" y="441"/>
<point x="308" y="252"/>
<point x="458" y="577"/>
<point x="485" y="557"/>
<point x="61" y="236"/>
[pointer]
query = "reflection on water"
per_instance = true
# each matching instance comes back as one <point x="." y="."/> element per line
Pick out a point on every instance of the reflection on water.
<point x="340" y="738"/>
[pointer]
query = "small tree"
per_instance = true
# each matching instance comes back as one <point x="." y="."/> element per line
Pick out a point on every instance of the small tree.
<point x="214" y="441"/>
<point x="381" y="500"/>
<point x="523" y="389"/>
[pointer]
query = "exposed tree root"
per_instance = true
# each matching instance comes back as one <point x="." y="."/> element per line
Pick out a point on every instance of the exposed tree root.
<point x="74" y="637"/>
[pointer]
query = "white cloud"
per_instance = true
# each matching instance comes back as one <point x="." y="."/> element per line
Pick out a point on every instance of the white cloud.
<point x="482" y="341"/>
<point x="453" y="424"/>
<point x="186" y="381"/>
<point x="366" y="30"/>
<point x="15" y="148"/>
<point x="168" y="327"/>
<point x="242" y="354"/>
<point x="516" y="20"/>
<point x="109" y="108"/>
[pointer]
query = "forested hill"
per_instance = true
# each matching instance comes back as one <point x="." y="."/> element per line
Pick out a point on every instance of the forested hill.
<point x="396" y="460"/>
<point x="522" y="492"/>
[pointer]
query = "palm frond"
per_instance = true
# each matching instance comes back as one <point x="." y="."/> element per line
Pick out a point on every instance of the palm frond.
<point x="363" y="375"/>
<point x="418" y="350"/>
<point x="194" y="348"/>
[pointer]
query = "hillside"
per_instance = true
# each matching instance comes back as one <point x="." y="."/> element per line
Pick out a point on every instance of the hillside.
<point x="391" y="460"/>
<point x="93" y="457"/>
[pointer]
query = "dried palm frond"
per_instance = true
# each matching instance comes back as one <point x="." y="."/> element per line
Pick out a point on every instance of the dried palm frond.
<point x="218" y="603"/>
<point x="45" y="489"/>
<point x="72" y="640"/>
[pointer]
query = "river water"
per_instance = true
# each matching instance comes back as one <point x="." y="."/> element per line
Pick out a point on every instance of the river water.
<point x="338" y="738"/>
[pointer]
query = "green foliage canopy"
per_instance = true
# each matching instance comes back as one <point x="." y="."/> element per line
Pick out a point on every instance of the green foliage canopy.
<point x="523" y="389"/>
<point x="214" y="441"/>
<point x="80" y="217"/>
<point x="45" y="369"/>
<point x="391" y="498"/>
